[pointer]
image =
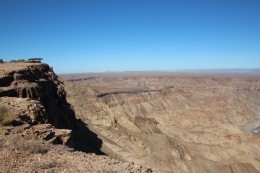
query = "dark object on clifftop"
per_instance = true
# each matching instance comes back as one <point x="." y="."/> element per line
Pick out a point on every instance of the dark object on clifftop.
<point x="13" y="61"/>
<point x="2" y="61"/>
<point x="35" y="60"/>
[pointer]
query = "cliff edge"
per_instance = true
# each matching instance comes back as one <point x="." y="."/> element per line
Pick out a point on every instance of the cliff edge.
<point x="35" y="115"/>
<point x="37" y="87"/>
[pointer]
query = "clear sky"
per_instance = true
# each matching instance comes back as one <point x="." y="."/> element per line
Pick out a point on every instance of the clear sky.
<point x="123" y="35"/>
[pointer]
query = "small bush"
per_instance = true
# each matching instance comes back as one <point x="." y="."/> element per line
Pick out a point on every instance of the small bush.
<point x="5" y="117"/>
<point x="21" y="60"/>
<point x="48" y="165"/>
<point x="3" y="112"/>
<point x="33" y="147"/>
<point x="21" y="144"/>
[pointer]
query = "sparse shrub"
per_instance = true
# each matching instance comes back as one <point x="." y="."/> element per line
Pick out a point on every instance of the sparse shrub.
<point x="34" y="147"/>
<point x="48" y="165"/>
<point x="5" y="116"/>
<point x="13" y="61"/>
<point x="20" y="60"/>
<point x="21" y="144"/>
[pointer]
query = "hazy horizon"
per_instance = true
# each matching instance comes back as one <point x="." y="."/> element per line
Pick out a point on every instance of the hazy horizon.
<point x="217" y="71"/>
<point x="101" y="36"/>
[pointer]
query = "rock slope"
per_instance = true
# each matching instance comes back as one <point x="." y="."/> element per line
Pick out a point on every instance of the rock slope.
<point x="35" y="117"/>
<point x="173" y="122"/>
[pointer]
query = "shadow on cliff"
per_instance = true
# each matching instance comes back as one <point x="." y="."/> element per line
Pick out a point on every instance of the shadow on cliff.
<point x="85" y="140"/>
<point x="39" y="82"/>
<point x="61" y="114"/>
<point x="82" y="138"/>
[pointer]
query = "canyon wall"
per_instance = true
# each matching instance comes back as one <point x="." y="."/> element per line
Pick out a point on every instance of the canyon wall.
<point x="173" y="122"/>
<point x="38" y="128"/>
<point x="41" y="84"/>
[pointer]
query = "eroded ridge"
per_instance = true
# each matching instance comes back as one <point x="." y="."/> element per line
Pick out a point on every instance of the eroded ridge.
<point x="175" y="122"/>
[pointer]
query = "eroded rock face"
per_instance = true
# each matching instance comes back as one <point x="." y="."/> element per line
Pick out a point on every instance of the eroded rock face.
<point x="30" y="149"/>
<point x="36" y="115"/>
<point x="32" y="94"/>
<point x="23" y="110"/>
<point x="39" y="83"/>
<point x="173" y="122"/>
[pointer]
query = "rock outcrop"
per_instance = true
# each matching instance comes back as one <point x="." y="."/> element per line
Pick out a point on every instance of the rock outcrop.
<point x="38" y="82"/>
<point x="30" y="149"/>
<point x="33" y="94"/>
<point x="35" y="116"/>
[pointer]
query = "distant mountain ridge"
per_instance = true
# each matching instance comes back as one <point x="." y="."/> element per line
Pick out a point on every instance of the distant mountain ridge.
<point x="235" y="70"/>
<point x="217" y="71"/>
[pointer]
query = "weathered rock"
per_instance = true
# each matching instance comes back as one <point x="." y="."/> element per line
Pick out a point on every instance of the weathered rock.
<point x="33" y="102"/>
<point x="39" y="82"/>
<point x="173" y="122"/>
<point x="30" y="149"/>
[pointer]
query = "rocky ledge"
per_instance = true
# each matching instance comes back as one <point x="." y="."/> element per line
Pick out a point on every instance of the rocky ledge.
<point x="35" y="115"/>
<point x="42" y="93"/>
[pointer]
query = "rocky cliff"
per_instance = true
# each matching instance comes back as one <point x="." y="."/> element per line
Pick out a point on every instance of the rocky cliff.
<point x="34" y="115"/>
<point x="38" y="82"/>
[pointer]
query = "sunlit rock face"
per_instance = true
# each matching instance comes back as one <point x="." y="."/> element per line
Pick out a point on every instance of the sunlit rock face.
<point x="38" y="125"/>
<point x="38" y="87"/>
<point x="173" y="122"/>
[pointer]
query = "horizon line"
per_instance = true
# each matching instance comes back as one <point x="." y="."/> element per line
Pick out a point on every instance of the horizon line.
<point x="215" y="70"/>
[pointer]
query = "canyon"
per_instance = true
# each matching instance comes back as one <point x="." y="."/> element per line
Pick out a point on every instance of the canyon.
<point x="167" y="122"/>
<point x="39" y="131"/>
<point x="173" y="122"/>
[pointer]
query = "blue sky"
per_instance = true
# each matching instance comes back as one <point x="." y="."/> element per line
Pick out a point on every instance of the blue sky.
<point x="122" y="35"/>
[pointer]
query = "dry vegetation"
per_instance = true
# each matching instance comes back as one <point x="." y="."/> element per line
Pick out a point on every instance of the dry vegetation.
<point x="5" y="116"/>
<point x="21" y="144"/>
